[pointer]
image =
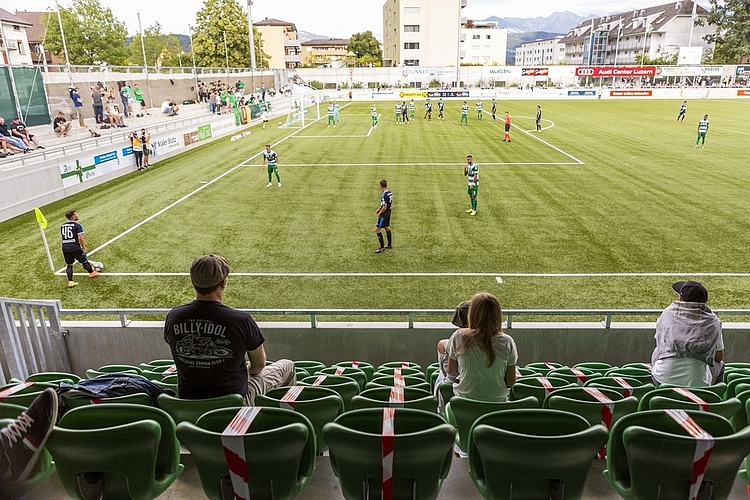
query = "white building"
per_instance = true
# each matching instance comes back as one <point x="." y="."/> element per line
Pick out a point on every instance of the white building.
<point x="543" y="52"/>
<point x="13" y="40"/>
<point x="421" y="32"/>
<point x="483" y="42"/>
<point x="656" y="32"/>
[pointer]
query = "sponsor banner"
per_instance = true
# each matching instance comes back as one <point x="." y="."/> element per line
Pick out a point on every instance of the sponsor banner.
<point x="743" y="93"/>
<point x="690" y="55"/>
<point x="691" y="71"/>
<point x="535" y="72"/>
<point x="422" y="74"/>
<point x="741" y="70"/>
<point x="87" y="168"/>
<point x="162" y="144"/>
<point x="377" y="94"/>
<point x="448" y="93"/>
<point x="204" y="132"/>
<point x="631" y="93"/>
<point x="500" y="72"/>
<point x="422" y="94"/>
<point x="220" y="126"/>
<point x="617" y="71"/>
<point x="582" y="93"/>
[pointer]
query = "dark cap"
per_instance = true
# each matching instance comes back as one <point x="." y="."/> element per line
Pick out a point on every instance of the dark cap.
<point x="16" y="118"/>
<point x="461" y="315"/>
<point x="208" y="271"/>
<point x="691" y="291"/>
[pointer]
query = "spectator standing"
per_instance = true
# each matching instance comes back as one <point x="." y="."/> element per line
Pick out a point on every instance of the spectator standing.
<point x="98" y="104"/>
<point x="126" y="96"/>
<point x="146" y="144"/>
<point x="78" y="103"/>
<point x="137" y="146"/>
<point x="138" y="94"/>
<point x="207" y="329"/>
<point x="61" y="125"/>
<point x="20" y="130"/>
<point x="262" y="91"/>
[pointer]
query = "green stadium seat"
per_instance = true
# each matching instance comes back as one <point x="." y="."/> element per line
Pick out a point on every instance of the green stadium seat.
<point x="598" y="366"/>
<point x="577" y="400"/>
<point x="279" y="453"/>
<point x="53" y="377"/>
<point x="190" y="410"/>
<point x="387" y="371"/>
<point x="637" y="387"/>
<point x="534" y="386"/>
<point x="540" y="452"/>
<point x="422" y="453"/>
<point x="309" y="366"/>
<point x="400" y="364"/>
<point x="354" y="373"/>
<point x="365" y="367"/>
<point x="387" y="381"/>
<point x="543" y="367"/>
<point x="379" y="397"/>
<point x="568" y="374"/>
<point x="346" y="387"/>
<point x="641" y="374"/>
<point x="727" y="409"/>
<point x="669" y="392"/>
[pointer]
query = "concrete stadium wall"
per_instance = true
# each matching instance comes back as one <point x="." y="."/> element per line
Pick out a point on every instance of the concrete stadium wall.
<point x="93" y="344"/>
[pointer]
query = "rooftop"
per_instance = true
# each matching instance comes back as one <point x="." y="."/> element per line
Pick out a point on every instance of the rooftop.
<point x="9" y="18"/>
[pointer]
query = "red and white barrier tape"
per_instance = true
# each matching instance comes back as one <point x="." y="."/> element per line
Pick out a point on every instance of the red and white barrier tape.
<point x="396" y="397"/>
<point x="608" y="409"/>
<point x="704" y="444"/>
<point x="546" y="383"/>
<point x="234" y="450"/>
<point x="288" y="399"/>
<point x="14" y="389"/>
<point x="579" y="375"/>
<point x="389" y="415"/>
<point x="398" y="379"/>
<point x="692" y="397"/>
<point x="624" y="384"/>
<point x="319" y="380"/>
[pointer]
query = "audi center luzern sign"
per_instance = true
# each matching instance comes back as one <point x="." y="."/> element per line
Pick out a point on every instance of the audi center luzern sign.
<point x="610" y="71"/>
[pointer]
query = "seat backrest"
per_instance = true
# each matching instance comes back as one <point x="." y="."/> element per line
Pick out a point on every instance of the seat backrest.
<point x="387" y="381"/>
<point x="189" y="410"/>
<point x="353" y="373"/>
<point x="387" y="371"/>
<point x="593" y="410"/>
<point x="53" y="377"/>
<point x="534" y="386"/>
<point x="568" y="374"/>
<point x="279" y="451"/>
<point x="598" y="366"/>
<point x="109" y="415"/>
<point x="617" y="459"/>
<point x="463" y="412"/>
<point x="733" y="382"/>
<point x="379" y="397"/>
<point x="641" y="374"/>
<point x="365" y="367"/>
<point x="345" y="387"/>
<point x="512" y="442"/>
<point x="726" y="409"/>
<point x="638" y="388"/>
<point x="543" y="367"/>
<point x="400" y="364"/>
<point x="119" y="369"/>
<point x="309" y="365"/>
<point x="421" y="458"/>
<point x="654" y="473"/>
<point x="669" y="392"/>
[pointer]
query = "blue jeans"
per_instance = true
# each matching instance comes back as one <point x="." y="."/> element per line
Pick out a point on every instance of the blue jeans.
<point x="15" y="141"/>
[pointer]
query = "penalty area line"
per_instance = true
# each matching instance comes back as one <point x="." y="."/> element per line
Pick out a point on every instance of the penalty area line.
<point x="579" y="162"/>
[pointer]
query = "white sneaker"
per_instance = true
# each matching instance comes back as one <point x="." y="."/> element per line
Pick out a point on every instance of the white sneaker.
<point x="279" y="184"/>
<point x="269" y="184"/>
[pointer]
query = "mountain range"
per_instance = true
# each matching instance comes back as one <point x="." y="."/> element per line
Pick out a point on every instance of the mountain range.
<point x="558" y="22"/>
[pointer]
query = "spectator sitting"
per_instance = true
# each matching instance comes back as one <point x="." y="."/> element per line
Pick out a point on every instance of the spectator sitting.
<point x="461" y="320"/>
<point x="689" y="345"/>
<point x="20" y="130"/>
<point x="7" y="148"/>
<point x="61" y="125"/>
<point x="169" y="108"/>
<point x="12" y="141"/>
<point x="113" y="116"/>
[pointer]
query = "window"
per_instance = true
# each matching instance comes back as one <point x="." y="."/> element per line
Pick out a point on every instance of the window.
<point x="488" y="37"/>
<point x="475" y="37"/>
<point x="21" y="48"/>
<point x="411" y="62"/>
<point x="487" y="47"/>
<point x="411" y="28"/>
<point x="16" y="27"/>
<point x="475" y="47"/>
<point x="411" y="45"/>
<point x="411" y="11"/>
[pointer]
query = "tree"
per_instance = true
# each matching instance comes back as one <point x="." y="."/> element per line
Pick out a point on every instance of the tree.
<point x="92" y="34"/>
<point x="366" y="47"/>
<point x="732" y="21"/>
<point x="226" y="16"/>
<point x="161" y="49"/>
<point x="665" y="56"/>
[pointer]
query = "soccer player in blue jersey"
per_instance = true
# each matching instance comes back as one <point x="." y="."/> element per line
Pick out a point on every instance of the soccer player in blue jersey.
<point x="428" y="110"/>
<point x="441" y="108"/>
<point x="539" y="118"/>
<point x="384" y="217"/>
<point x="74" y="247"/>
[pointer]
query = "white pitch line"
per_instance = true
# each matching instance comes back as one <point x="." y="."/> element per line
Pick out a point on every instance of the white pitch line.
<point x="454" y="164"/>
<point x="332" y="137"/>
<point x="579" y="162"/>
<point x="497" y="276"/>
<point x="177" y="202"/>
<point x="377" y="118"/>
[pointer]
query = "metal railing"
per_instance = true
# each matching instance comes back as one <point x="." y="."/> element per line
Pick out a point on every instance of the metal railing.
<point x="605" y="316"/>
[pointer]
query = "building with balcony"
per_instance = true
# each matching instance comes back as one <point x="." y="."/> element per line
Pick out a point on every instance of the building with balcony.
<point x="14" y="44"/>
<point x="325" y="51"/>
<point x="483" y="42"/>
<point x="280" y="43"/>
<point x="422" y="32"/>
<point x="621" y="38"/>
<point x="35" y="36"/>
<point x="542" y="52"/>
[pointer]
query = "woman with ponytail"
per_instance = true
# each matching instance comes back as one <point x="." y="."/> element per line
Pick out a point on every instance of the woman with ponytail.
<point x="483" y="357"/>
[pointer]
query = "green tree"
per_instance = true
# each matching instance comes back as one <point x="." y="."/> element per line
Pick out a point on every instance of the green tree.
<point x="366" y="47"/>
<point x="92" y="33"/>
<point x="161" y="49"/>
<point x="226" y="16"/>
<point x="665" y="56"/>
<point x="731" y="18"/>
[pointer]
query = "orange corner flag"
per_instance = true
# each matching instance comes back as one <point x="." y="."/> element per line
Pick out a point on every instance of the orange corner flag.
<point x="40" y="218"/>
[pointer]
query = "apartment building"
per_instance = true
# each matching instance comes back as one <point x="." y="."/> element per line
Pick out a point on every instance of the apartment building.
<point x="483" y="42"/>
<point x="280" y="43"/>
<point x="543" y="52"/>
<point x="325" y="51"/>
<point x="14" y="44"/>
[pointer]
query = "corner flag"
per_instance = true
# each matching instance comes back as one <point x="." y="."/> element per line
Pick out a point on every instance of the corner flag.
<point x="40" y="218"/>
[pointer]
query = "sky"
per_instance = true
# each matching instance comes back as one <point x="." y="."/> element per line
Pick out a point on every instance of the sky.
<point x="334" y="18"/>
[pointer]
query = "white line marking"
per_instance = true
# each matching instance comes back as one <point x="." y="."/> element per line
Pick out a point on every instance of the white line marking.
<point x="497" y="276"/>
<point x="550" y="145"/>
<point x="332" y="137"/>
<point x="454" y="164"/>
<point x="190" y="194"/>
<point x="377" y="118"/>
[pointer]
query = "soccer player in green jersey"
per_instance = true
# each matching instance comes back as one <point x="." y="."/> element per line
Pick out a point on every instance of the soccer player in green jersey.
<point x="331" y="116"/>
<point x="464" y="114"/>
<point x="471" y="171"/>
<point x="269" y="159"/>
<point x="398" y="113"/>
<point x="479" y="109"/>
<point x="412" y="109"/>
<point x="336" y="109"/>
<point x="374" y="116"/>
<point x="702" y="131"/>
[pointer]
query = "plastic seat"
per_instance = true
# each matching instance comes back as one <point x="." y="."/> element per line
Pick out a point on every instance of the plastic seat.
<point x="740" y="420"/>
<point x="130" y="450"/>
<point x="726" y="409"/>
<point x="638" y="388"/>
<point x="53" y="377"/>
<point x="9" y="410"/>
<point x="400" y="364"/>
<point x="43" y="468"/>
<point x="431" y="368"/>
<point x="568" y="374"/>
<point x="422" y="453"/>
<point x="577" y="400"/>
<point x="365" y="367"/>
<point x="387" y="381"/>
<point x="189" y="410"/>
<point x="345" y="387"/>
<point x="301" y="373"/>
<point x="641" y="374"/>
<point x="651" y="456"/>
<point x="445" y="390"/>
<point x="733" y="382"/>
<point x="90" y="373"/>
<point x="463" y="412"/>
<point x="379" y="397"/>
<point x="598" y="366"/>
<point x="522" y="371"/>
<point x="27" y="395"/>
<point x="639" y="365"/>
<point x="309" y="366"/>
<point x="719" y="389"/>
<point x="320" y="405"/>
<point x="353" y="373"/>
<point x="279" y="452"/>
<point x="534" y="386"/>
<point x="140" y="398"/>
<point x="669" y="392"/>
<point x="119" y="369"/>
<point x="543" y="367"/>
<point x="514" y="442"/>
<point x="387" y="371"/>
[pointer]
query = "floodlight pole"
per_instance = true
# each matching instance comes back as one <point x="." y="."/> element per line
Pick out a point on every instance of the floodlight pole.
<point x="692" y="22"/>
<point x="192" y="51"/>
<point x="252" y="35"/>
<point x="458" y="48"/>
<point x="145" y="65"/>
<point x="64" y="44"/>
<point x="226" y="54"/>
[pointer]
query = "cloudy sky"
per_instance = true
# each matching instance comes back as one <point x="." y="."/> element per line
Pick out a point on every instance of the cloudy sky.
<point x="337" y="18"/>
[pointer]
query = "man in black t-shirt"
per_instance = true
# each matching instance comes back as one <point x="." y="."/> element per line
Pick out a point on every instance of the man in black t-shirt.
<point x="209" y="341"/>
<point x="61" y="125"/>
<point x="74" y="247"/>
<point x="20" y="130"/>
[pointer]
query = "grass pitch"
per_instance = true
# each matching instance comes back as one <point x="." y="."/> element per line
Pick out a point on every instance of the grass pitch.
<point x="606" y="207"/>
